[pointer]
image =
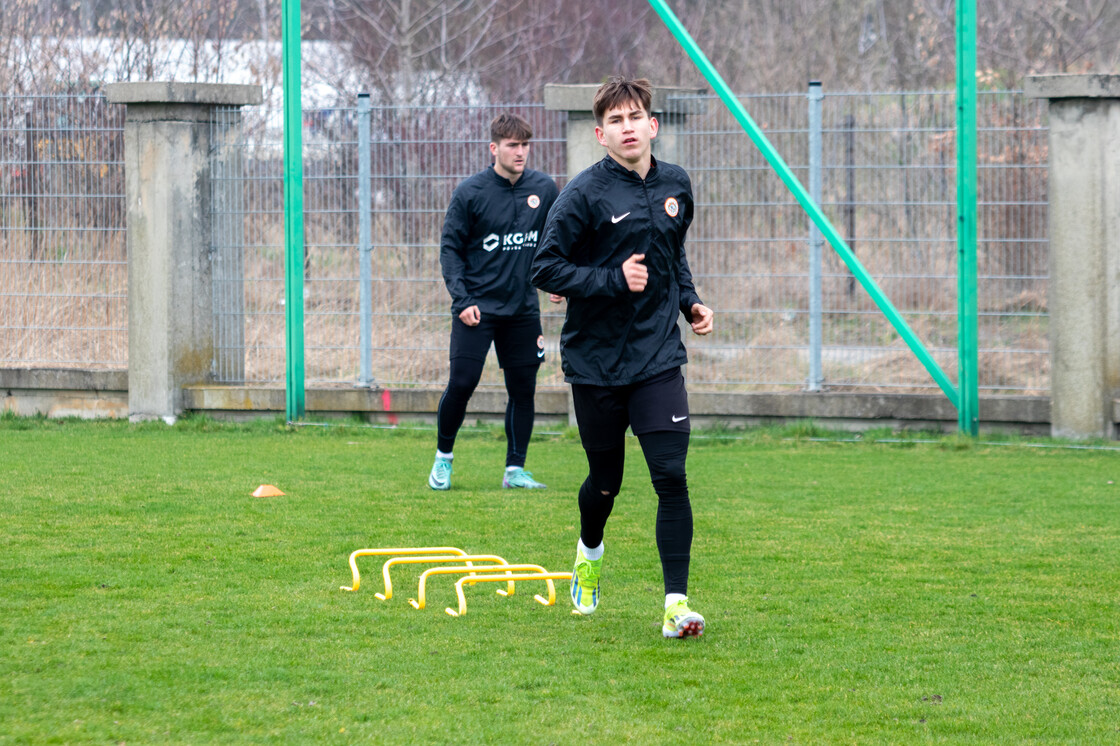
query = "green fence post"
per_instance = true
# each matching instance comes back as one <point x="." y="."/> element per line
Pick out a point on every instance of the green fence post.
<point x="802" y="196"/>
<point x="295" y="404"/>
<point x="968" y="413"/>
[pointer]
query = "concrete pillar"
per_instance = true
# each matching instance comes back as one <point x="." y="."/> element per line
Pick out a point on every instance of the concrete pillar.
<point x="167" y="188"/>
<point x="584" y="149"/>
<point x="1084" y="293"/>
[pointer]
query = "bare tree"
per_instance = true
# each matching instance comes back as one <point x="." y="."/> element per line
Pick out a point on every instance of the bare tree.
<point x="458" y="49"/>
<point x="408" y="48"/>
<point x="777" y="45"/>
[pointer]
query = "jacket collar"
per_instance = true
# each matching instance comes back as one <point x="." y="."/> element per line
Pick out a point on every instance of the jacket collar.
<point x="503" y="180"/>
<point x="618" y="168"/>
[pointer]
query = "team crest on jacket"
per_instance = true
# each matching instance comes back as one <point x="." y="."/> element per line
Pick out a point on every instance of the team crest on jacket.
<point x="534" y="201"/>
<point x="672" y="207"/>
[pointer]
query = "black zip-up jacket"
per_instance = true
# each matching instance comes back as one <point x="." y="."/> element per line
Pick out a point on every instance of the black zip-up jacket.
<point x="611" y="336"/>
<point x="490" y="232"/>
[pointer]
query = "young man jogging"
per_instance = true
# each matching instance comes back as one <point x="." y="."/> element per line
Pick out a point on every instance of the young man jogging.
<point x="614" y="247"/>
<point x="489" y="235"/>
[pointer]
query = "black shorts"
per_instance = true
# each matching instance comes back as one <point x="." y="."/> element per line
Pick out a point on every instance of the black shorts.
<point x="658" y="404"/>
<point x="517" y="339"/>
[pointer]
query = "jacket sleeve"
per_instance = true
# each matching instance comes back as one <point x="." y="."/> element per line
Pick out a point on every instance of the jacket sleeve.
<point x="452" y="252"/>
<point x="688" y="294"/>
<point x="566" y="236"/>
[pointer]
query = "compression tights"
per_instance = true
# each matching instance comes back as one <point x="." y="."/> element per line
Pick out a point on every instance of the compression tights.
<point x="521" y="385"/>
<point x="665" y="454"/>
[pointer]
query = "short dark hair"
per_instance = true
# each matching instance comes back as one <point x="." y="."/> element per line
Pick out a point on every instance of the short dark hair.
<point x="509" y="127"/>
<point x="619" y="91"/>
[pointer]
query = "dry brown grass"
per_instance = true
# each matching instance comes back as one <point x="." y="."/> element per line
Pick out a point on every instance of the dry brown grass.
<point x="67" y="314"/>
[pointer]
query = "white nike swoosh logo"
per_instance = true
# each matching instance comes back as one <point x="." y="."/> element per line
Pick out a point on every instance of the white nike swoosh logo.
<point x="620" y="217"/>
<point x="540" y="353"/>
<point x="678" y="419"/>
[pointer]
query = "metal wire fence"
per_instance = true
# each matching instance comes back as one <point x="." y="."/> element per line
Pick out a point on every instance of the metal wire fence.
<point x="887" y="171"/>
<point x="887" y="174"/>
<point x="418" y="155"/>
<point x="63" y="270"/>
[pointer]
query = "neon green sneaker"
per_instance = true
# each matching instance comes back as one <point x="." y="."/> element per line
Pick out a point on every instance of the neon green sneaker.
<point x="681" y="621"/>
<point x="520" y="478"/>
<point x="585" y="583"/>
<point x="440" y="478"/>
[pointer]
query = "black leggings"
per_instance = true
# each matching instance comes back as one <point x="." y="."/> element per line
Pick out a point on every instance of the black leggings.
<point x="665" y="454"/>
<point x="521" y="387"/>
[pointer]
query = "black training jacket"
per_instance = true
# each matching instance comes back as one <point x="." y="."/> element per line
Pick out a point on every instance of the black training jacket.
<point x="613" y="337"/>
<point x="489" y="235"/>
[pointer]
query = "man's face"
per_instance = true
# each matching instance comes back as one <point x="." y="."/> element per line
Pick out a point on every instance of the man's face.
<point x="626" y="133"/>
<point x="510" y="156"/>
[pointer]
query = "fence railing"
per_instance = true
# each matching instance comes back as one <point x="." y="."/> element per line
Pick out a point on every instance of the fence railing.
<point x="63" y="269"/>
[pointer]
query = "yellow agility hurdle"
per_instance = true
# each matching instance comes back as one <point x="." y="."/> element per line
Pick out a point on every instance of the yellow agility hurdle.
<point x="418" y="602"/>
<point x="548" y="577"/>
<point x="469" y="558"/>
<point x="406" y="550"/>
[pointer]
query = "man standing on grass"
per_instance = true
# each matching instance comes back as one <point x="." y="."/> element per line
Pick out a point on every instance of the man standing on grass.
<point x="489" y="235"/>
<point x="614" y="247"/>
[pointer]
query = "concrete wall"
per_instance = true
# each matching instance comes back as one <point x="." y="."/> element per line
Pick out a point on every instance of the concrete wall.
<point x="57" y="392"/>
<point x="75" y="393"/>
<point x="1013" y="414"/>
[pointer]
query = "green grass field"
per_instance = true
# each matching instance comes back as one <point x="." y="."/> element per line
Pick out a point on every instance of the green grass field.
<point x="945" y="592"/>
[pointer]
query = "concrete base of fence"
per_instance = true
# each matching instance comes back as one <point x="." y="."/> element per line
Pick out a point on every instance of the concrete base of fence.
<point x="1024" y="415"/>
<point x="54" y="392"/>
<point x="380" y="406"/>
<point x="89" y="394"/>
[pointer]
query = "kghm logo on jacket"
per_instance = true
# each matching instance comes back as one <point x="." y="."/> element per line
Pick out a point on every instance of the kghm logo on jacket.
<point x="510" y="241"/>
<point x="671" y="207"/>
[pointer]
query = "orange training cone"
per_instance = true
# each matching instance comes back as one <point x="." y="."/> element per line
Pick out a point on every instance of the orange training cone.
<point x="267" y="490"/>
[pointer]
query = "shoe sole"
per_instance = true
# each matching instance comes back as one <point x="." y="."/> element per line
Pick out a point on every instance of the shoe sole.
<point x="584" y="610"/>
<point x="688" y="629"/>
<point x="435" y="486"/>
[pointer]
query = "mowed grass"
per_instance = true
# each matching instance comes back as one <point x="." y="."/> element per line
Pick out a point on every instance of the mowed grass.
<point x="948" y="592"/>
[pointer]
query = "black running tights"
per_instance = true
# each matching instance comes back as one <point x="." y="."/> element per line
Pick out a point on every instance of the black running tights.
<point x="521" y="387"/>
<point x="665" y="454"/>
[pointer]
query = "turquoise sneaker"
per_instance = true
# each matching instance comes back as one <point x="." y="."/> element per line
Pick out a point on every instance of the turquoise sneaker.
<point x="681" y="621"/>
<point x="585" y="583"/>
<point x="520" y="478"/>
<point x="440" y="478"/>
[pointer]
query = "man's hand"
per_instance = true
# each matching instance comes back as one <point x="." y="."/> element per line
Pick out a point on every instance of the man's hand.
<point x="470" y="316"/>
<point x="635" y="272"/>
<point x="702" y="318"/>
<point x="555" y="298"/>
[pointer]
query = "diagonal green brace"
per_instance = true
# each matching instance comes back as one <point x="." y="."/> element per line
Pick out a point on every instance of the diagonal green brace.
<point x="802" y="196"/>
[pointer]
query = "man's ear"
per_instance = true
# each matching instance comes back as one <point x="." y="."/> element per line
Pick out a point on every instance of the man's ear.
<point x="599" y="136"/>
<point x="652" y="127"/>
<point x="494" y="149"/>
